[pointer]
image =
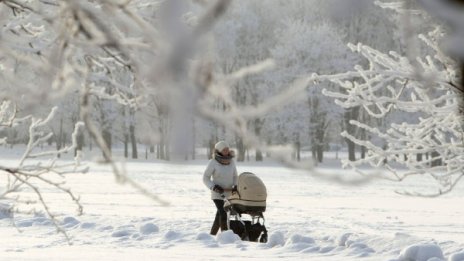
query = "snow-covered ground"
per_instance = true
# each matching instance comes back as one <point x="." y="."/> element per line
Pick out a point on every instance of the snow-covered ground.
<point x="306" y="218"/>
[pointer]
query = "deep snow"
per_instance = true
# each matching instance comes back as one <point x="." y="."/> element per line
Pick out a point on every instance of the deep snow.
<point x="306" y="218"/>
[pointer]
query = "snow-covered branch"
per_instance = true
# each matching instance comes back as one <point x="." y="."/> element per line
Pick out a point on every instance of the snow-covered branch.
<point x="429" y="141"/>
<point x="33" y="174"/>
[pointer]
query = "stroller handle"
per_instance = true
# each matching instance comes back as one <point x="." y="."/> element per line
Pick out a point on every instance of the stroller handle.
<point x="228" y="190"/>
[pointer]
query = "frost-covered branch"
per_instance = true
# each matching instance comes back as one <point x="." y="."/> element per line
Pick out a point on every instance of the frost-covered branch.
<point x="32" y="173"/>
<point x="429" y="141"/>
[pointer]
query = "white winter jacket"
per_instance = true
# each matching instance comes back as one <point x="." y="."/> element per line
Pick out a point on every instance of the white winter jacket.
<point x="222" y="175"/>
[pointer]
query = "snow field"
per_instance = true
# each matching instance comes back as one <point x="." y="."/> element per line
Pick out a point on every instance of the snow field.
<point x="306" y="218"/>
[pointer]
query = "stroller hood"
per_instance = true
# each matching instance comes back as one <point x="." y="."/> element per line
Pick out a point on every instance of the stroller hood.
<point x="251" y="196"/>
<point x="251" y="188"/>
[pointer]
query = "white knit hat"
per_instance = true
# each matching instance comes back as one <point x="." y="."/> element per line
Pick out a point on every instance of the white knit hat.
<point x="221" y="145"/>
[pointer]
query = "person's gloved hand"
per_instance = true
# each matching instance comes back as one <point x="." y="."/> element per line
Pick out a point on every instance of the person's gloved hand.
<point x="218" y="189"/>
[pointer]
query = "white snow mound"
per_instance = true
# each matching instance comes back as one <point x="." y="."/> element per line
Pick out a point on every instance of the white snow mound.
<point x="228" y="237"/>
<point x="296" y="238"/>
<point x="148" y="228"/>
<point x="172" y="235"/>
<point x="421" y="252"/>
<point x="457" y="256"/>
<point x="121" y="233"/>
<point x="70" y="222"/>
<point x="342" y="240"/>
<point x="204" y="237"/>
<point x="276" y="239"/>
<point x="298" y="242"/>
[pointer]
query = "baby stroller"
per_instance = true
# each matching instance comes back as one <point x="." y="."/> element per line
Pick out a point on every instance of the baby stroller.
<point x="250" y="199"/>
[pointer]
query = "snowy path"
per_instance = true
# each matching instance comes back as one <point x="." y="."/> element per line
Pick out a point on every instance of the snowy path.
<point x="306" y="218"/>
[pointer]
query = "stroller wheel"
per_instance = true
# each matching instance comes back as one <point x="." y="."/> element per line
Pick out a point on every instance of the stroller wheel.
<point x="263" y="238"/>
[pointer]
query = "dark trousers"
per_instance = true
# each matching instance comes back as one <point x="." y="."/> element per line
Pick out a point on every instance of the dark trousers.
<point x="220" y="221"/>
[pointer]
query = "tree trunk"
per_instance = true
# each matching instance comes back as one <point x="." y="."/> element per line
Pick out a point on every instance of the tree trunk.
<point x="163" y="141"/>
<point x="133" y="141"/>
<point x="193" y="139"/>
<point x="241" y="149"/>
<point x="124" y="130"/>
<point x="385" y="147"/>
<point x="320" y="153"/>
<point x="59" y="139"/>
<point x="351" y="114"/>
<point x="298" y="150"/>
<point x="167" y="152"/>
<point x="259" y="155"/>
<point x="126" y="145"/>
<point x="80" y="143"/>
<point x="258" y="126"/>
<point x="363" y="148"/>
<point x="436" y="162"/>
<point x="107" y="138"/>
<point x="65" y="139"/>
<point x="318" y="123"/>
<point x="461" y="98"/>
<point x="162" y="152"/>
<point x="320" y="138"/>
<point x="313" y="151"/>
<point x="351" y="150"/>
<point x="210" y="150"/>
<point x="419" y="157"/>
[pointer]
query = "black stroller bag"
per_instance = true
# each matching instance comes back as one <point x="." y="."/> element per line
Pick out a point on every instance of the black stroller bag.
<point x="246" y="230"/>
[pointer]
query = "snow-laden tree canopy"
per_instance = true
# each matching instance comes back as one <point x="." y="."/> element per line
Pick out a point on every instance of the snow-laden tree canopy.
<point x="428" y="138"/>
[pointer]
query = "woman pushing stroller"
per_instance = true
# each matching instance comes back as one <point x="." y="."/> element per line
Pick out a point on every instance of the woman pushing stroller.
<point x="221" y="178"/>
